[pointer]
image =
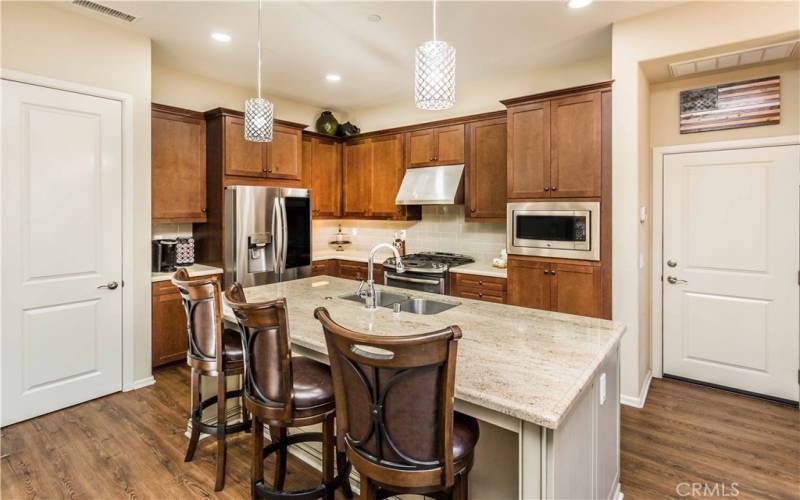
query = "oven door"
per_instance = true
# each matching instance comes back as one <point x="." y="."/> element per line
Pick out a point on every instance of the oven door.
<point x="411" y="282"/>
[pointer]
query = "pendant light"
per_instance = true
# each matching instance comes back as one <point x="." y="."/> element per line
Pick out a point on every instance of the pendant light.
<point x="435" y="73"/>
<point x="258" y="112"/>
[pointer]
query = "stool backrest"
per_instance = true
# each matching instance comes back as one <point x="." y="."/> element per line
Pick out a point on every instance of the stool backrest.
<point x="267" y="356"/>
<point x="201" y="300"/>
<point x="394" y="400"/>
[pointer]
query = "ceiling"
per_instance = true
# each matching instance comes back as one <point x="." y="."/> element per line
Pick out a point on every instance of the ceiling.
<point x="304" y="41"/>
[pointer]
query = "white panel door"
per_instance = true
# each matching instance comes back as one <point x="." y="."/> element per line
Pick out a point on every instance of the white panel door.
<point x="61" y="242"/>
<point x="731" y="232"/>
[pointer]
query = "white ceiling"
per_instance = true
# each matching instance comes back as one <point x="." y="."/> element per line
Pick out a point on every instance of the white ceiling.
<point x="303" y="41"/>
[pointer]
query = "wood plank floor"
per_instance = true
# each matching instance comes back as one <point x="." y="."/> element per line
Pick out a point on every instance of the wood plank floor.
<point x="131" y="445"/>
<point x="692" y="434"/>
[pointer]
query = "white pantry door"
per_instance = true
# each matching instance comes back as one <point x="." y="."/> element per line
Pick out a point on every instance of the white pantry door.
<point x="61" y="241"/>
<point x="731" y="261"/>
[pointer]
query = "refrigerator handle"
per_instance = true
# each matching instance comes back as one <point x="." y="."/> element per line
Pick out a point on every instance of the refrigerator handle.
<point x="275" y="236"/>
<point x="284" y="235"/>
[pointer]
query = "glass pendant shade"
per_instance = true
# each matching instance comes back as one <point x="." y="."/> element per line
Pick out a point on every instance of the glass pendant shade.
<point x="258" y="120"/>
<point x="435" y="75"/>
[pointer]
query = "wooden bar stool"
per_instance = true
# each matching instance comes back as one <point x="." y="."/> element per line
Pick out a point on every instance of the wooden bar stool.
<point x="282" y="392"/>
<point x="213" y="352"/>
<point x="394" y="410"/>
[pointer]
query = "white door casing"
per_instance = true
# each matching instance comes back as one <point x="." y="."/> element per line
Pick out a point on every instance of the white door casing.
<point x="732" y="229"/>
<point x="61" y="239"/>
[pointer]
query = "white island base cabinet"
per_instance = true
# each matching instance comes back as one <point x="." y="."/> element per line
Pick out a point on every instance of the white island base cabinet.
<point x="516" y="459"/>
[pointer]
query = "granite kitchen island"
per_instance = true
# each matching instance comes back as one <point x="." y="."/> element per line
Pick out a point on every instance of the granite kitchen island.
<point x="545" y="386"/>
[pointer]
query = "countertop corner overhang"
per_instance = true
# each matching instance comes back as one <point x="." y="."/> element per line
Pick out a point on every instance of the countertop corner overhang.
<point x="526" y="363"/>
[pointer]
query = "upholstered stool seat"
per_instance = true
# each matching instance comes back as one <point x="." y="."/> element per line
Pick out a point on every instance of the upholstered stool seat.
<point x="312" y="387"/>
<point x="232" y="346"/>
<point x="465" y="436"/>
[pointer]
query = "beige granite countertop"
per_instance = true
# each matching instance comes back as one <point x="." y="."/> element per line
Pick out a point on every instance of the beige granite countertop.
<point x="526" y="363"/>
<point x="194" y="271"/>
<point x="480" y="269"/>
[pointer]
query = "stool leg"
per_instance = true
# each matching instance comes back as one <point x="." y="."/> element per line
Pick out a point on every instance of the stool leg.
<point x="194" y="399"/>
<point x="328" y="452"/>
<point x="221" y="423"/>
<point x="278" y="435"/>
<point x="257" y="455"/>
<point x="245" y="414"/>
<point x="367" y="489"/>
<point x="341" y="464"/>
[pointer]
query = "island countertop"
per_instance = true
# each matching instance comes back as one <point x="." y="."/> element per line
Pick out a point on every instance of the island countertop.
<point x="526" y="363"/>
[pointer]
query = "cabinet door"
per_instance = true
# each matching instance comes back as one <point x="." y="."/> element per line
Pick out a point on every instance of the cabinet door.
<point x="529" y="283"/>
<point x="486" y="174"/>
<point x="353" y="270"/>
<point x="326" y="176"/>
<point x="242" y="158"/>
<point x="575" y="146"/>
<point x="420" y="147"/>
<point x="357" y="178"/>
<point x="284" y="153"/>
<point x="178" y="152"/>
<point x="319" y="268"/>
<point x="387" y="174"/>
<point x="577" y="289"/>
<point x="529" y="150"/>
<point x="449" y="145"/>
<point x="169" y="337"/>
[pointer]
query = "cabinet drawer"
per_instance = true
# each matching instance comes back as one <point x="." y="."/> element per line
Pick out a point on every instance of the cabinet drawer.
<point x="486" y="283"/>
<point x="358" y="271"/>
<point x="320" y="267"/>
<point x="498" y="297"/>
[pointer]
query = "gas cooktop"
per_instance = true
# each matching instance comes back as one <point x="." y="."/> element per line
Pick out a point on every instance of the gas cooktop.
<point x="430" y="262"/>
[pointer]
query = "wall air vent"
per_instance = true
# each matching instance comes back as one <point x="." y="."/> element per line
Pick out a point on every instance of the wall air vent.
<point x="765" y="54"/>
<point x="106" y="11"/>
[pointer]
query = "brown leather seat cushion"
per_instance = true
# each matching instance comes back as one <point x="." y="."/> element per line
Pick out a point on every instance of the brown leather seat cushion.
<point x="313" y="387"/>
<point x="465" y="436"/>
<point x="232" y="346"/>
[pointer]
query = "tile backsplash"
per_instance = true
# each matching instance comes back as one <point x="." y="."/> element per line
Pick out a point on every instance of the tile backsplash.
<point x="170" y="231"/>
<point x="442" y="228"/>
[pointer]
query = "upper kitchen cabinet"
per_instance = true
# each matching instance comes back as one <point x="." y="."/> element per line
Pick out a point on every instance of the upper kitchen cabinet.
<point x="178" y="165"/>
<point x="322" y="163"/>
<point x="486" y="169"/>
<point x="555" y="144"/>
<point x="387" y="174"/>
<point x="356" y="178"/>
<point x="276" y="163"/>
<point x="435" y="146"/>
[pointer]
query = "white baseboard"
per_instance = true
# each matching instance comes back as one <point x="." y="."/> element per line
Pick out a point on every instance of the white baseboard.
<point x="638" y="401"/>
<point x="143" y="382"/>
<point x="618" y="495"/>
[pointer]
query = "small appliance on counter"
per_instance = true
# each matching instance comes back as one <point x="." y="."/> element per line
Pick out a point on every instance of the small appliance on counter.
<point x="165" y="256"/>
<point x="184" y="252"/>
<point x="340" y="240"/>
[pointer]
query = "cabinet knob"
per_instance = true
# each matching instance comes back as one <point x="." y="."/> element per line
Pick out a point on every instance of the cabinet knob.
<point x="472" y="210"/>
<point x="554" y="188"/>
<point x="480" y="295"/>
<point x="203" y="210"/>
<point x="480" y="282"/>
<point x="546" y="189"/>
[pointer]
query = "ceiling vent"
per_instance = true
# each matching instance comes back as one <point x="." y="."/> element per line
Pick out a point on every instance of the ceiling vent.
<point x="768" y="53"/>
<point x="106" y="11"/>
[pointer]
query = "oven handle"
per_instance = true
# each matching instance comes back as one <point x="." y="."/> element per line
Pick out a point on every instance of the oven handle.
<point x="412" y="280"/>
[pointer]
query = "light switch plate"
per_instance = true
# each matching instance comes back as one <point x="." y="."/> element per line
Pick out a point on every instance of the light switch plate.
<point x="602" y="388"/>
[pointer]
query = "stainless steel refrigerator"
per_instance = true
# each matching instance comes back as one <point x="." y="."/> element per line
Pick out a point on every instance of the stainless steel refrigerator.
<point x="267" y="234"/>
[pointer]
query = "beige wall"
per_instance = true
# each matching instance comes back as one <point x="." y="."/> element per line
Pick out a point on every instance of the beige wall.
<point x="664" y="102"/>
<point x="51" y="42"/>
<point x="485" y="95"/>
<point x="682" y="29"/>
<point x="185" y="90"/>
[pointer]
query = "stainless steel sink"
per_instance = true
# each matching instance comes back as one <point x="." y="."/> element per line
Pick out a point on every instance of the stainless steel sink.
<point x="425" y="306"/>
<point x="385" y="299"/>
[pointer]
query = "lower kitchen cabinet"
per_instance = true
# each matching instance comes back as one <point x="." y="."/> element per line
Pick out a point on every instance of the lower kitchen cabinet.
<point x="568" y="288"/>
<point x="169" y="338"/>
<point x="470" y="286"/>
<point x="346" y="269"/>
<point x="329" y="267"/>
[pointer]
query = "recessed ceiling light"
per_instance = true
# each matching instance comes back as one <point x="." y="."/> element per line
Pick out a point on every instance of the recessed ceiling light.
<point x="221" y="37"/>
<point x="374" y="18"/>
<point x="333" y="78"/>
<point x="577" y="4"/>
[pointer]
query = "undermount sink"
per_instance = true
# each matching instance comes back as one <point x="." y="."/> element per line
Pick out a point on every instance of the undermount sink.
<point x="385" y="299"/>
<point x="425" y="306"/>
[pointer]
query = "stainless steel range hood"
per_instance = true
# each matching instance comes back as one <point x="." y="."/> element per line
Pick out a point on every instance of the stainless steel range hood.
<point x="443" y="185"/>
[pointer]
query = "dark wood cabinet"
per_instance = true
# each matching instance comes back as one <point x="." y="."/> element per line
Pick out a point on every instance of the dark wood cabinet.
<point x="486" y="169"/>
<point x="435" y="146"/>
<point x="358" y="271"/>
<point x="356" y="178"/>
<point x="322" y="162"/>
<point x="243" y="158"/>
<point x="284" y="153"/>
<point x="470" y="286"/>
<point x="387" y="174"/>
<point x="329" y="267"/>
<point x="178" y="163"/>
<point x="169" y="337"/>
<point x="555" y="286"/>
<point x="555" y="144"/>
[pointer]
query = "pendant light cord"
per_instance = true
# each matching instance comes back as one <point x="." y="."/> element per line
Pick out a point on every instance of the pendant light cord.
<point x="434" y="20"/>
<point x="258" y="76"/>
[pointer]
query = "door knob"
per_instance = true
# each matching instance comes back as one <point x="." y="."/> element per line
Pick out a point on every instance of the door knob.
<point x="673" y="280"/>
<point x="111" y="285"/>
<point x="672" y="263"/>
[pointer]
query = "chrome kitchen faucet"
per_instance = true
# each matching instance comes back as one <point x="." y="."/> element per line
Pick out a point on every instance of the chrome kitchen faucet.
<point x="369" y="295"/>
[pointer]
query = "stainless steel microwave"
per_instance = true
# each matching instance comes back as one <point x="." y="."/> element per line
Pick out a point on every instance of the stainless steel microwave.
<point x="565" y="229"/>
